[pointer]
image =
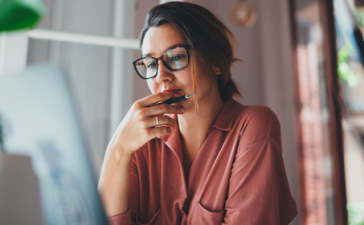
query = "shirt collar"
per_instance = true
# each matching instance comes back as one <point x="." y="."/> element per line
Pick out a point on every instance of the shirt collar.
<point x="228" y="115"/>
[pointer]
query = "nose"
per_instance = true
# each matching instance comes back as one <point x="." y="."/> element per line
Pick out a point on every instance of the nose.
<point x="164" y="75"/>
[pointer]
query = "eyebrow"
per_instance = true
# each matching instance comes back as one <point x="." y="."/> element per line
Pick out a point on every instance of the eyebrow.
<point x="170" y="47"/>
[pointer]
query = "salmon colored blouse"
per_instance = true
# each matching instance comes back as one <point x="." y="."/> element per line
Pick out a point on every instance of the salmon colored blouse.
<point x="237" y="177"/>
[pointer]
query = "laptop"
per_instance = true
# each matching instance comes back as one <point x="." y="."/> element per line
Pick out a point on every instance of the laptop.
<point x="39" y="120"/>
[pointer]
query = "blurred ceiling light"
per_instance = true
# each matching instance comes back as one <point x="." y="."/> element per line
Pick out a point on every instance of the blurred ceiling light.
<point x="243" y="14"/>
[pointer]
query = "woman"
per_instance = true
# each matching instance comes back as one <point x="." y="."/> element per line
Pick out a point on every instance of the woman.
<point x="205" y="160"/>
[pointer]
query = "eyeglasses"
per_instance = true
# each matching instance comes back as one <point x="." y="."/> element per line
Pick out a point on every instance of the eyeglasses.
<point x="174" y="59"/>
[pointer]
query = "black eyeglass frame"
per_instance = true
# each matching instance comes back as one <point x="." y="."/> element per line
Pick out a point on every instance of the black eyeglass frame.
<point x="187" y="47"/>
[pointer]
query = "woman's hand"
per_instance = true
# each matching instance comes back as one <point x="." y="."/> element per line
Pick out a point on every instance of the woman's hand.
<point x="139" y="124"/>
<point x="136" y="129"/>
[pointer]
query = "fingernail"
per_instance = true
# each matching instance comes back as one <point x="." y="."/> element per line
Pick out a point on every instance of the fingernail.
<point x="183" y="110"/>
<point x="176" y="95"/>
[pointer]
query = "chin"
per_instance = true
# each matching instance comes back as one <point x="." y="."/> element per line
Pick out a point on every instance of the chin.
<point x="187" y="104"/>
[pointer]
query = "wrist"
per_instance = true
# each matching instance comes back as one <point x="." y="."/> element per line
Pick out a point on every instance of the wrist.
<point x="121" y="155"/>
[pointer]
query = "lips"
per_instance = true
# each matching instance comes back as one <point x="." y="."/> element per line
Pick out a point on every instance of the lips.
<point x="172" y="90"/>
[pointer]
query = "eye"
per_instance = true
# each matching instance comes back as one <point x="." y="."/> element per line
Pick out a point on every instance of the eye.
<point x="177" y="57"/>
<point x="151" y="65"/>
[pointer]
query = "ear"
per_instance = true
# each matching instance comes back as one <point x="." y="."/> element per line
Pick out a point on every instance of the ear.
<point x="217" y="70"/>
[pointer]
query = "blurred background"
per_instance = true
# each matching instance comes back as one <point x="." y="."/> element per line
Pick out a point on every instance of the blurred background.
<point x="298" y="60"/>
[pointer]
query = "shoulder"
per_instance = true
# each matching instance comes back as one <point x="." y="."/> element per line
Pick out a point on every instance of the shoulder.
<point x="258" y="115"/>
<point x="257" y="123"/>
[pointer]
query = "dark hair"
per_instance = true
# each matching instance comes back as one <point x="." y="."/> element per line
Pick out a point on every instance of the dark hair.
<point x="208" y="37"/>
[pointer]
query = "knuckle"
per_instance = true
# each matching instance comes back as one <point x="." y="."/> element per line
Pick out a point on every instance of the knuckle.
<point x="159" y="95"/>
<point x="166" y="130"/>
<point x="166" y="107"/>
<point x="164" y="95"/>
<point x="141" y="113"/>
<point x="147" y="132"/>
<point x="164" y="120"/>
<point x="172" y="122"/>
<point x="137" y="104"/>
<point x="144" y="123"/>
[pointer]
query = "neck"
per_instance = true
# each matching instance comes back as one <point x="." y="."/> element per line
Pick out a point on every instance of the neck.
<point x="194" y="125"/>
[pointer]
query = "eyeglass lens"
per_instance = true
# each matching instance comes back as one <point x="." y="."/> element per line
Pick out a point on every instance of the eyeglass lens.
<point x="173" y="59"/>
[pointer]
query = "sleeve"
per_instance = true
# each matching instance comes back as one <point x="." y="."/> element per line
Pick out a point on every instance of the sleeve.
<point x="129" y="217"/>
<point x="258" y="191"/>
<point x="258" y="188"/>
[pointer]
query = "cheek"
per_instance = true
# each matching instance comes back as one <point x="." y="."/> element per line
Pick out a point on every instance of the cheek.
<point x="187" y="77"/>
<point x="152" y="85"/>
<point x="205" y="82"/>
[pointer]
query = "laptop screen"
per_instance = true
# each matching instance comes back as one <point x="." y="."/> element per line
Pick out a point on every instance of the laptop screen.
<point x="40" y="121"/>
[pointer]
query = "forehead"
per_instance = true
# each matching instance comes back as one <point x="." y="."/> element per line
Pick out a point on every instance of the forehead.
<point x="158" y="39"/>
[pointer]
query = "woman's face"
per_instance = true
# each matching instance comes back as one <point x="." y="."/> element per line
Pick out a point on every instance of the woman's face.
<point x="159" y="39"/>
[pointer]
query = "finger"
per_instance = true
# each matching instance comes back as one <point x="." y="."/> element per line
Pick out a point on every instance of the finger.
<point x="158" y="97"/>
<point x="159" y="131"/>
<point x="163" y="109"/>
<point x="162" y="120"/>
